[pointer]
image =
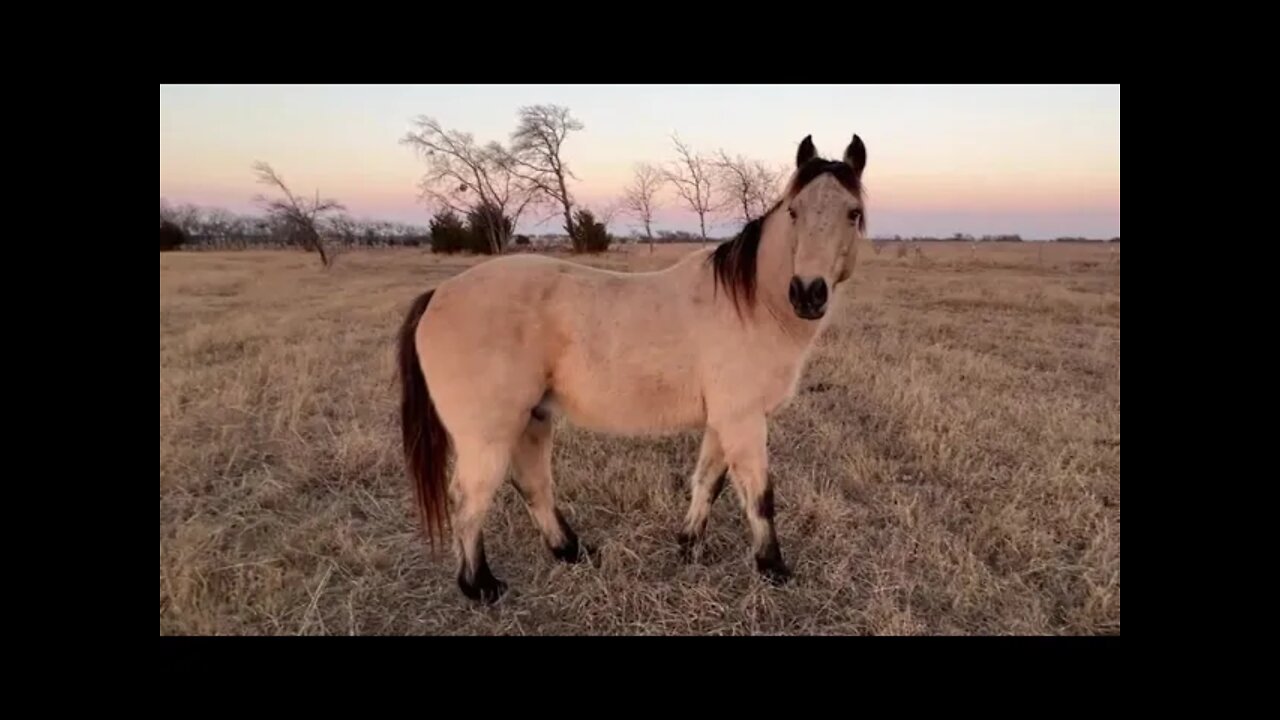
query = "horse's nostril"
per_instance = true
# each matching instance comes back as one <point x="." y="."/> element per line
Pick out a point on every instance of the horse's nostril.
<point x="796" y="291"/>
<point x="818" y="291"/>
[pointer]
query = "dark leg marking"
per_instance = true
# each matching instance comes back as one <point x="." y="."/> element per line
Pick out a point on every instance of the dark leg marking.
<point x="764" y="507"/>
<point x="570" y="551"/>
<point x="770" y="564"/>
<point x="479" y="584"/>
<point x="689" y="541"/>
<point x="769" y="559"/>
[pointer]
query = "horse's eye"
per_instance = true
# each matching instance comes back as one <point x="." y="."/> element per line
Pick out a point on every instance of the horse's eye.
<point x="854" y="215"/>
<point x="792" y="213"/>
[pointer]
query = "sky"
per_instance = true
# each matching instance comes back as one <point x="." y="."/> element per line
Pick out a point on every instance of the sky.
<point x="1042" y="161"/>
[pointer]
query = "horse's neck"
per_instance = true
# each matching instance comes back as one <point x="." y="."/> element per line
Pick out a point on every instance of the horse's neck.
<point x="773" y="278"/>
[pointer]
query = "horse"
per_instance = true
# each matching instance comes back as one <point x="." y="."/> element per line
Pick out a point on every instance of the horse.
<point x="716" y="342"/>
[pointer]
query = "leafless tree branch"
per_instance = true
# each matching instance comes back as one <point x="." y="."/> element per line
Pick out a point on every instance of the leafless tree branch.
<point x="299" y="215"/>
<point x="464" y="176"/>
<point x="691" y="175"/>
<point x="535" y="155"/>
<point x="747" y="186"/>
<point x="639" y="199"/>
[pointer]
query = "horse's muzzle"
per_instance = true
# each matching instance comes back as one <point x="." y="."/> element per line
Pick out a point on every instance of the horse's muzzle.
<point x="808" y="298"/>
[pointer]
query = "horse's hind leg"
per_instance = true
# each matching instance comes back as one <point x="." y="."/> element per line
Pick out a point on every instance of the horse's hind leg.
<point x="480" y="471"/>
<point x="531" y="463"/>
<point x="706" y="484"/>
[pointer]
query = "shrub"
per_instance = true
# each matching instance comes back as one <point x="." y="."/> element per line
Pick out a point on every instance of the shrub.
<point x="481" y="224"/>
<point x="448" y="234"/>
<point x="590" y="235"/>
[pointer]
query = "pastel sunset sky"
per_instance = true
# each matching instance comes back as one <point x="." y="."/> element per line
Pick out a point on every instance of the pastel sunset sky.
<point x="1041" y="161"/>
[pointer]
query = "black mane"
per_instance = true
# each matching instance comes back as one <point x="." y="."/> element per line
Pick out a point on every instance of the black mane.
<point x="734" y="261"/>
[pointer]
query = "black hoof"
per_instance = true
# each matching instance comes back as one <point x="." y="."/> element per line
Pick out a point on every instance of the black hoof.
<point x="688" y="546"/>
<point x="573" y="552"/>
<point x="486" y="589"/>
<point x="774" y="571"/>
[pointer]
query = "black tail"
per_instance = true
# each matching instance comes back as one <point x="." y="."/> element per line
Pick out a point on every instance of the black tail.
<point x="426" y="443"/>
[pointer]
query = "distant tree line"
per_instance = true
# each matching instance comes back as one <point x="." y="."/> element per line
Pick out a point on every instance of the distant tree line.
<point x="191" y="227"/>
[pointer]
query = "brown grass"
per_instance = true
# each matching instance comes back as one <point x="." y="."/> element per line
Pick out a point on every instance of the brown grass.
<point x="952" y="468"/>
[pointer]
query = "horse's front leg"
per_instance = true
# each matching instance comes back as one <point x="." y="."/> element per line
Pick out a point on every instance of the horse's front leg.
<point x="745" y="450"/>
<point x="704" y="487"/>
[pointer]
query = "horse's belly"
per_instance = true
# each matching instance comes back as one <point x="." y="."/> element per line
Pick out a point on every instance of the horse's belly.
<point x="644" y="406"/>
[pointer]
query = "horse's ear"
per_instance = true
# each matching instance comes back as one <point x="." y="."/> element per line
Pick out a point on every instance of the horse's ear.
<point x="806" y="151"/>
<point x="856" y="155"/>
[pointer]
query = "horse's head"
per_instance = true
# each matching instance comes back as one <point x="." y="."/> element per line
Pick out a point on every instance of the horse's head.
<point x="825" y="204"/>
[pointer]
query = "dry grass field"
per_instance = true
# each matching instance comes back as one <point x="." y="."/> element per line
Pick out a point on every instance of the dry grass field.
<point x="952" y="465"/>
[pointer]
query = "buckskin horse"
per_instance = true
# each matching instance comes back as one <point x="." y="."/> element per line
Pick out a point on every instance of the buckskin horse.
<point x="716" y="342"/>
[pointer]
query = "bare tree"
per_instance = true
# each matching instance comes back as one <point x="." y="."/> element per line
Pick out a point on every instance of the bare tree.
<point x="748" y="186"/>
<point x="639" y="199"/>
<point x="691" y="176"/>
<point x="301" y="217"/>
<point x="466" y="177"/>
<point x="534" y="156"/>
